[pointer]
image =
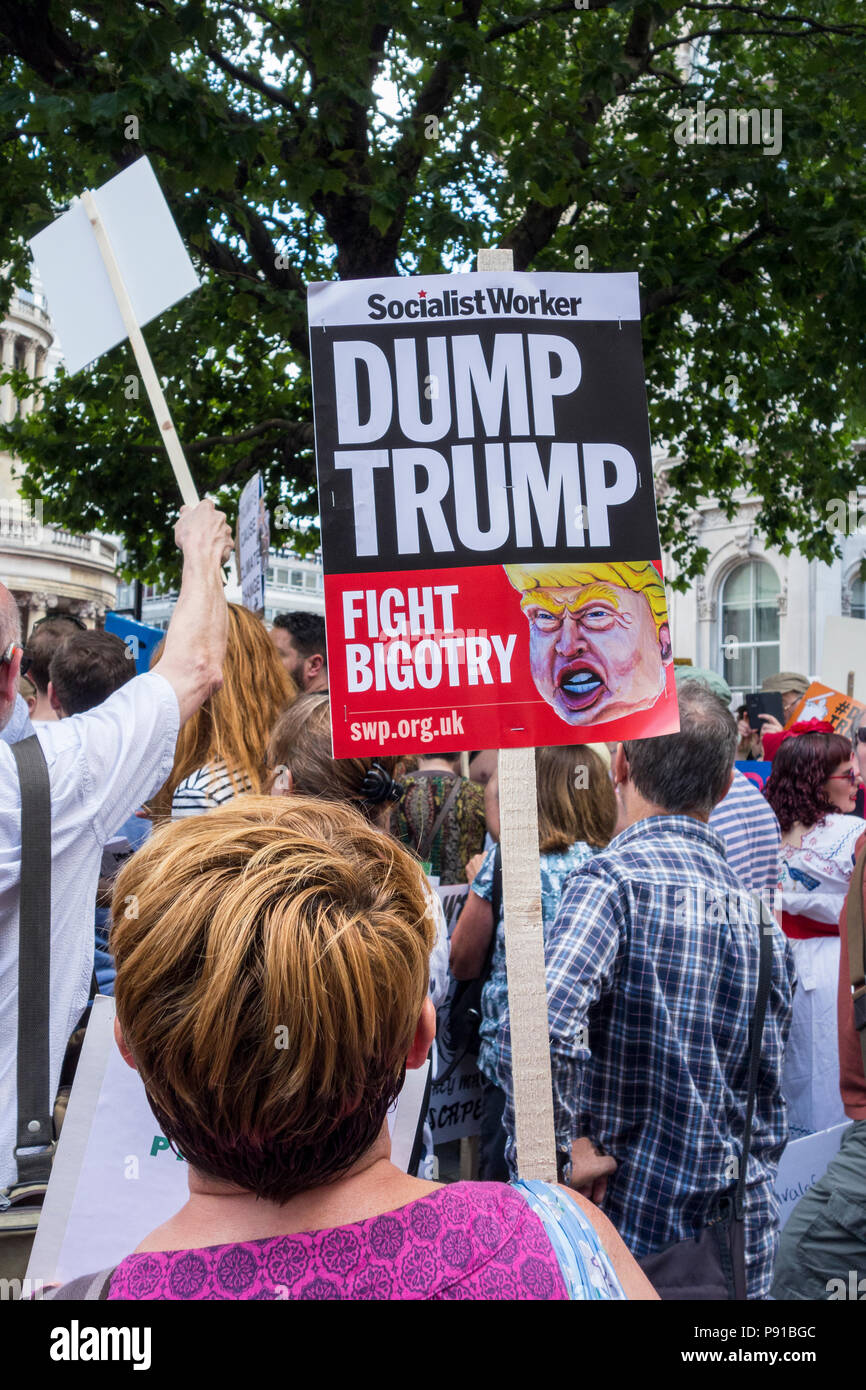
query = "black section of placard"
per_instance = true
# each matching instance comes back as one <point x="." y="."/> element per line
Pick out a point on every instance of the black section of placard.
<point x="608" y="407"/>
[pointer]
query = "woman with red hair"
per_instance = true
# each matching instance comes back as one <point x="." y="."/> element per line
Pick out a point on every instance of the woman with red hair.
<point x="812" y="788"/>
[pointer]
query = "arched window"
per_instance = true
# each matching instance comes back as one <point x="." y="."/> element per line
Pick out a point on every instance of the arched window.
<point x="750" y="625"/>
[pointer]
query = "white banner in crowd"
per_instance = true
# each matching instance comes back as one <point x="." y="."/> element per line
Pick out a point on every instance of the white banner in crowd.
<point x="455" y="1096"/>
<point x="152" y="259"/>
<point x="253" y="544"/>
<point x="804" y="1162"/>
<point x="115" y="1178"/>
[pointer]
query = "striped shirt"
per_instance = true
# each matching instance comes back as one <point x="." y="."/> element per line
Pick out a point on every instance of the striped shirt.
<point x="205" y="789"/>
<point x="652" y="972"/>
<point x="747" y="824"/>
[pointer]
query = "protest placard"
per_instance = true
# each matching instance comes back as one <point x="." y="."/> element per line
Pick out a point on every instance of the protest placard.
<point x="115" y="1177"/>
<point x="822" y="702"/>
<point x="141" y="640"/>
<point x="253" y="543"/>
<point x="489" y="536"/>
<point x="757" y="772"/>
<point x="455" y="1096"/>
<point x="113" y="262"/>
<point x="802" y="1164"/>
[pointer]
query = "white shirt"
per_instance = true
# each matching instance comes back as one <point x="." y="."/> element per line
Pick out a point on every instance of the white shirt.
<point x="102" y="765"/>
<point x="19" y="725"/>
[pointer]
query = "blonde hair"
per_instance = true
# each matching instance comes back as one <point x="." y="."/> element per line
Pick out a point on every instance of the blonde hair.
<point x="576" y="800"/>
<point x="301" y="742"/>
<point x="232" y="726"/>
<point x="641" y="577"/>
<point x="269" y="985"/>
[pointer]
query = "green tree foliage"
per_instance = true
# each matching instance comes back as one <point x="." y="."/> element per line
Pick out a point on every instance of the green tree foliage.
<point x="299" y="141"/>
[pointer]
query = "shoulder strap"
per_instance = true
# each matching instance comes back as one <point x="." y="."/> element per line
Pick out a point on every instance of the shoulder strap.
<point x="766" y="927"/>
<point x="584" y="1263"/>
<point x="85" y="1287"/>
<point x="856" y="967"/>
<point x="425" y="844"/>
<point x="35" y="1127"/>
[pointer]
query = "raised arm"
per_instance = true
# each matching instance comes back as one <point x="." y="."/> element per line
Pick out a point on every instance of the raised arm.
<point x="195" y="643"/>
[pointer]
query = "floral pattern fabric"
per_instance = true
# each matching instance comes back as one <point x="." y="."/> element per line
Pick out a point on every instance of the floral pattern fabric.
<point x="464" y="1241"/>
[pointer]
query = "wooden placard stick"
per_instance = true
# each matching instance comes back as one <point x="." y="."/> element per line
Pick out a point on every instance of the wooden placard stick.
<point x="158" y="403"/>
<point x="524" y="941"/>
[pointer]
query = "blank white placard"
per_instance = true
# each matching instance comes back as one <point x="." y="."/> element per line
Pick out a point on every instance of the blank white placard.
<point x="152" y="258"/>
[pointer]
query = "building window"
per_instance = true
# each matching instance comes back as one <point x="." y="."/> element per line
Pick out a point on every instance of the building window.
<point x="297" y="579"/>
<point x="858" y="598"/>
<point x="309" y="581"/>
<point x="750" y="625"/>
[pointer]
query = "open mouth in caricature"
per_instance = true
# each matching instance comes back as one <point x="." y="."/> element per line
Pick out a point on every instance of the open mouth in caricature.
<point x="580" y="686"/>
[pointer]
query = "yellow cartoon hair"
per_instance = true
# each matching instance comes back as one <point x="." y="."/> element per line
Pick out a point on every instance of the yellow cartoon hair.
<point x="642" y="577"/>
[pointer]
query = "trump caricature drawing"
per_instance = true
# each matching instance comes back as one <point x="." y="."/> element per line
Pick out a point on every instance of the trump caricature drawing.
<point x="599" y="639"/>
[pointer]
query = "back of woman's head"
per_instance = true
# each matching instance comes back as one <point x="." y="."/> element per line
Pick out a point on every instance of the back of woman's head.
<point x="233" y="724"/>
<point x="795" y="787"/>
<point x="576" y="800"/>
<point x="301" y="743"/>
<point x="269" y="984"/>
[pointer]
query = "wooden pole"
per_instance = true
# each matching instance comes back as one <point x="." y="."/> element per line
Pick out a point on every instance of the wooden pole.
<point x="524" y="941"/>
<point x="142" y="356"/>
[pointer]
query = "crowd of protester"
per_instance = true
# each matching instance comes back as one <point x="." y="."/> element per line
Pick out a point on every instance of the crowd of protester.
<point x="276" y="887"/>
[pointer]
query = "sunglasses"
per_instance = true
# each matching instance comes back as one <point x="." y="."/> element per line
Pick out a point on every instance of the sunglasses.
<point x="861" y="734"/>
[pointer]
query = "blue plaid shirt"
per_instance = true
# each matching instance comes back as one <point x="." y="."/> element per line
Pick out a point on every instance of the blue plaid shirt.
<point x="652" y="972"/>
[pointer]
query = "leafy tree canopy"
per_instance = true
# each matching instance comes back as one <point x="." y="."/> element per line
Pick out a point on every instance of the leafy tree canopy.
<point x="299" y="141"/>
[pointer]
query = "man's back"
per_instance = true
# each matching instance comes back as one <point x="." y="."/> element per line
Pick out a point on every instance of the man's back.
<point x="655" y="954"/>
<point x="101" y="765"/>
<point x="747" y="823"/>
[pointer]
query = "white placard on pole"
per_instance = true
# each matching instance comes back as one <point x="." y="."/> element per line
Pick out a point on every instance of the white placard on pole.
<point x="524" y="940"/>
<point x="253" y="544"/>
<point x="110" y="264"/>
<point x="151" y="258"/>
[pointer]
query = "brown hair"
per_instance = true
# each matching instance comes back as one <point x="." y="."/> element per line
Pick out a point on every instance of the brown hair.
<point x="301" y="742"/>
<point x="269" y="984"/>
<point x="87" y="668"/>
<point x="232" y="725"/>
<point x="576" y="799"/>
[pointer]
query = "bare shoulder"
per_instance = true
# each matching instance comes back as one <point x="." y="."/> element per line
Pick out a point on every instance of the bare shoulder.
<point x="630" y="1274"/>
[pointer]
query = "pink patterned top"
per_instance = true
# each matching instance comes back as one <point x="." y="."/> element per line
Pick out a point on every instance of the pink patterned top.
<point x="468" y="1240"/>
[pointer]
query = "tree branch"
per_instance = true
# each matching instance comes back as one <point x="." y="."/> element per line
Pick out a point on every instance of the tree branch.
<point x="257" y="84"/>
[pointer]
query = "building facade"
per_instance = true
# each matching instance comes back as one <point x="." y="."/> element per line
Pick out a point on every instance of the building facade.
<point x="47" y="568"/>
<point x="755" y="611"/>
<point x="292" y="584"/>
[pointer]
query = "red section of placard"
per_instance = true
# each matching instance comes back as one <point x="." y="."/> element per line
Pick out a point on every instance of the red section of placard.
<point x="440" y="660"/>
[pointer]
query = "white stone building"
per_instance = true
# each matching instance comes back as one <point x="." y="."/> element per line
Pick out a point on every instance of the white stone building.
<point x="755" y="611"/>
<point x="47" y="568"/>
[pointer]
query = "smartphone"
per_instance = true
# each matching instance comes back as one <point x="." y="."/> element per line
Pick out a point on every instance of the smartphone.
<point x="764" y="702"/>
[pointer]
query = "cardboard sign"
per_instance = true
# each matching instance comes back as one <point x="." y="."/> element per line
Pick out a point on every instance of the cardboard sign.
<point x="803" y="1163"/>
<point x="489" y="535"/>
<point x="141" y="640"/>
<point x="150" y="254"/>
<point x="757" y="772"/>
<point x="115" y="1178"/>
<point x="455" y="1096"/>
<point x="822" y="702"/>
<point x="253" y="544"/>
